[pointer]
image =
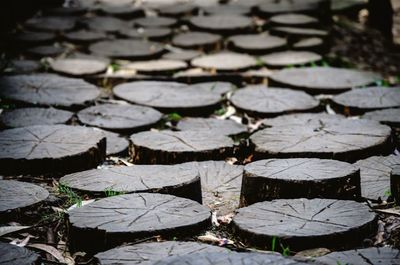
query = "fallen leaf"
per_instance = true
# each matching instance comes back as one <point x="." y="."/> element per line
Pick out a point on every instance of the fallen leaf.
<point x="394" y="211"/>
<point x="214" y="219"/>
<point x="211" y="238"/>
<point x="10" y="229"/>
<point x="21" y="243"/>
<point x="51" y="250"/>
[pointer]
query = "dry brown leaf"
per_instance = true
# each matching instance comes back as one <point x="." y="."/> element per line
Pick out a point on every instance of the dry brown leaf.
<point x="10" y="229"/>
<point x="51" y="250"/>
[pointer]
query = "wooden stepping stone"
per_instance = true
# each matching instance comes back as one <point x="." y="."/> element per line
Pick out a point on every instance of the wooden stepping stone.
<point x="178" y="180"/>
<point x="224" y="61"/>
<point x="225" y="127"/>
<point x="50" y="149"/>
<point x="375" y="176"/>
<point x="48" y="90"/>
<point x="109" y="222"/>
<point x="217" y="87"/>
<point x="51" y="23"/>
<point x="84" y="36"/>
<point x="323" y="79"/>
<point x="227" y="9"/>
<point x="118" y="117"/>
<point x="127" y="49"/>
<point x="364" y="256"/>
<point x="78" y="67"/>
<point x="14" y="255"/>
<point x="332" y="138"/>
<point x="305" y="224"/>
<point x="116" y="144"/>
<point x="15" y="195"/>
<point x="293" y="20"/>
<point x="168" y="147"/>
<point x="146" y="33"/>
<point x="309" y="178"/>
<point x="155" y="22"/>
<point x="184" y="55"/>
<point x="123" y="10"/>
<point x="34" y="116"/>
<point x="196" y="40"/>
<point x="290" y="58"/>
<point x="223" y="24"/>
<point x="169" y="97"/>
<point x="34" y="38"/>
<point x="105" y="24"/>
<point x="314" y="44"/>
<point x="147" y="253"/>
<point x="360" y="100"/>
<point x="265" y="101"/>
<point x="287" y="6"/>
<point x="390" y="117"/>
<point x="178" y="10"/>
<point x="45" y="51"/>
<point x="257" y="43"/>
<point x="160" y="66"/>
<point x="300" y="119"/>
<point x="295" y="33"/>
<point x="23" y="66"/>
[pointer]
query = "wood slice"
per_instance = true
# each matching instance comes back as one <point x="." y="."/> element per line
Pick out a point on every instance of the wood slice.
<point x="146" y="33"/>
<point x="78" y="67"/>
<point x="148" y="253"/>
<point x="123" y="10"/>
<point x="105" y="24"/>
<point x="295" y="33"/>
<point x="196" y="40"/>
<point x="314" y="44"/>
<point x="177" y="10"/>
<point x="34" y="38"/>
<point x="23" y="66"/>
<point x="332" y="138"/>
<point x="155" y="22"/>
<point x="257" y="43"/>
<point x="223" y="24"/>
<point x="84" y="36"/>
<point x="387" y="116"/>
<point x="290" y="58"/>
<point x="184" y="55"/>
<point x="360" y="100"/>
<point x="116" y="144"/>
<point x="375" y="176"/>
<point x="50" y="149"/>
<point x="271" y="179"/>
<point x="168" y="147"/>
<point x="34" y="116"/>
<point x="366" y="256"/>
<point x="305" y="224"/>
<point x="288" y="6"/>
<point x="45" y="51"/>
<point x="265" y="101"/>
<point x="217" y="126"/>
<point x="227" y="9"/>
<point x="51" y="23"/>
<point x="220" y="88"/>
<point x="395" y="183"/>
<point x="127" y="49"/>
<point x="225" y="61"/>
<point x="14" y="255"/>
<point x="300" y="119"/>
<point x="323" y="79"/>
<point x="293" y="20"/>
<point x="160" y="66"/>
<point x="169" y="97"/>
<point x="113" y="220"/>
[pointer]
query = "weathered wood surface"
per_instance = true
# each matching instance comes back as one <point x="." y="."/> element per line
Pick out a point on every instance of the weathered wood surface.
<point x="290" y="58"/>
<point x="78" y="67"/>
<point x="257" y="43"/>
<point x="196" y="40"/>
<point x="223" y="24"/>
<point x="217" y="126"/>
<point x="14" y="255"/>
<point x="390" y="117"/>
<point x="224" y="61"/>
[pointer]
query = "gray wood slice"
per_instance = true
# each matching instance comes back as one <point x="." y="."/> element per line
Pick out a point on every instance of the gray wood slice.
<point x="361" y="100"/>
<point x="294" y="33"/>
<point x="48" y="90"/>
<point x="178" y="180"/>
<point x="265" y="101"/>
<point x="105" y="24"/>
<point x="257" y="43"/>
<point x="159" y="66"/>
<point x="14" y="255"/>
<point x="45" y="51"/>
<point x="183" y="55"/>
<point x="177" y="10"/>
<point x="310" y="178"/>
<point x="365" y="256"/>
<point x="148" y="253"/>
<point x="290" y="58"/>
<point x="51" y="23"/>
<point x="314" y="44"/>
<point x="375" y="176"/>
<point x="395" y="183"/>
<point x="34" y="116"/>
<point x="168" y="147"/>
<point x="300" y="119"/>
<point x="50" y="149"/>
<point x="293" y="20"/>
<point x="78" y="67"/>
<point x="305" y="224"/>
<point x="146" y="33"/>
<point x="127" y="49"/>
<point x="224" y="24"/>
<point x="169" y="97"/>
<point x="323" y="79"/>
<point x="332" y="138"/>
<point x="23" y="66"/>
<point x="224" y="61"/>
<point x="116" y="144"/>
<point x="120" y="117"/>
<point x="217" y="126"/>
<point x="227" y="9"/>
<point x="110" y="221"/>
<point x="33" y="37"/>
<point x="196" y="40"/>
<point x="122" y="10"/>
<point x="217" y="87"/>
<point x="386" y="116"/>
<point x="15" y="195"/>
<point x="287" y="6"/>
<point x="155" y="22"/>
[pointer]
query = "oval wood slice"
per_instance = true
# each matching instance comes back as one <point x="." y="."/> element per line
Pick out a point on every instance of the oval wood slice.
<point x="386" y="116"/>
<point x="146" y="33"/>
<point x="323" y="79"/>
<point x="34" y="116"/>
<point x="48" y="90"/>
<point x="148" y="253"/>
<point x="120" y="117"/>
<point x="122" y="10"/>
<point x="217" y="87"/>
<point x="257" y="43"/>
<point x="50" y="149"/>
<point x="224" y="24"/>
<point x="45" y="51"/>
<point x="78" y="67"/>
<point x="196" y="40"/>
<point x="293" y="20"/>
<point x="300" y="119"/>
<point x="217" y="126"/>
<point x="225" y="61"/>
<point x="305" y="224"/>
<point x="290" y="58"/>
<point x="177" y="10"/>
<point x="116" y="144"/>
<point x="314" y="44"/>
<point x="287" y="6"/>
<point x="51" y="23"/>
<point x="14" y="255"/>
<point x="266" y="101"/>
<point x="24" y="66"/>
<point x="167" y="147"/>
<point x="32" y="37"/>
<point x="183" y="55"/>
<point x="296" y="33"/>
<point x="227" y="9"/>
<point x="310" y="178"/>
<point x="105" y="24"/>
<point x="160" y="66"/>
<point x="155" y="22"/>
<point x="113" y="220"/>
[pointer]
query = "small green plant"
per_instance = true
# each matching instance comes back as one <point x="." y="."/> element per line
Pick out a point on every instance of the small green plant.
<point x="175" y="117"/>
<point x="110" y="193"/>
<point x="273" y="243"/>
<point x="388" y="193"/>
<point x="259" y="62"/>
<point x="313" y="64"/>
<point x="220" y="112"/>
<point x="285" y="250"/>
<point x="115" y="67"/>
<point x="324" y="63"/>
<point x="383" y="83"/>
<point x="72" y="197"/>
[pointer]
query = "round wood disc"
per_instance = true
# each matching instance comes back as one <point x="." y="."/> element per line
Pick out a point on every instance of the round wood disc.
<point x="122" y="10"/>
<point x="288" y="6"/>
<point x="300" y="119"/>
<point x="14" y="255"/>
<point x="127" y="49"/>
<point x="15" y="195"/>
<point x="34" y="116"/>
<point x="167" y="147"/>
<point x="224" y="24"/>
<point x="293" y="20"/>
<point x="310" y="178"/>
<point x="84" y="36"/>
<point x="177" y="10"/>
<point x="78" y="67"/>
<point x="146" y="33"/>
<point x="118" y="117"/>
<point x="305" y="224"/>
<point x="387" y="116"/>
<point x="147" y="253"/>
<point x="227" y="9"/>
<point x="257" y="44"/>
<point x="168" y="96"/>
<point x="155" y="22"/>
<point x="32" y="37"/>
<point x="23" y="66"/>
<point x="260" y="100"/>
<point x="48" y="90"/>
<point x="51" y="23"/>
<point x="116" y="144"/>
<point x="225" y="61"/>
<point x="184" y="55"/>
<point x="195" y="40"/>
<point x="299" y="32"/>
<point x="290" y="58"/>
<point x="311" y="44"/>
<point x="334" y="138"/>
<point x="217" y="87"/>
<point x="225" y="127"/>
<point x="45" y="51"/>
<point x="160" y="66"/>
<point x="50" y="148"/>
<point x="323" y="79"/>
<point x="105" y="24"/>
<point x="113" y="220"/>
